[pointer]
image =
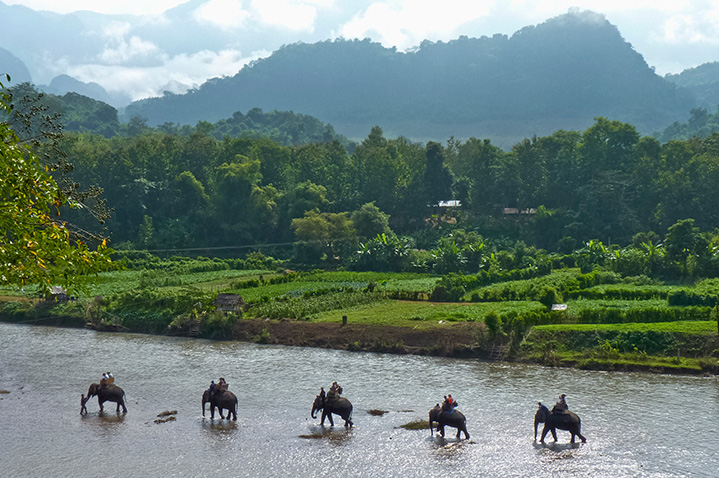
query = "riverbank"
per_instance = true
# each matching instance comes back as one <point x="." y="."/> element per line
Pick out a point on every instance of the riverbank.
<point x="544" y="345"/>
<point x="463" y="339"/>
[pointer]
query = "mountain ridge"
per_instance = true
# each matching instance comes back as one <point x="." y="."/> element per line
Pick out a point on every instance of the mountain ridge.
<point x="560" y="74"/>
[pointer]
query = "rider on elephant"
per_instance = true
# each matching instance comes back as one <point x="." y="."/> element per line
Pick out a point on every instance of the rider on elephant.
<point x="561" y="405"/>
<point x="334" y="394"/>
<point x="107" y="379"/>
<point x="449" y="404"/>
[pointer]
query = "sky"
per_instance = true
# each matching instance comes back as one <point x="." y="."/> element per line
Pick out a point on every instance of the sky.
<point x="227" y="34"/>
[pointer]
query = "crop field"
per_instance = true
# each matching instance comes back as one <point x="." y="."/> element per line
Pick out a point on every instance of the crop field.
<point x="423" y="314"/>
<point x="708" y="327"/>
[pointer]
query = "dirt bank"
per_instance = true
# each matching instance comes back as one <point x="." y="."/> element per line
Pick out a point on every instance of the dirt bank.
<point x="460" y="339"/>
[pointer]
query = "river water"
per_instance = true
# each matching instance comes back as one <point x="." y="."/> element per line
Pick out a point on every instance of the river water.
<point x="635" y="424"/>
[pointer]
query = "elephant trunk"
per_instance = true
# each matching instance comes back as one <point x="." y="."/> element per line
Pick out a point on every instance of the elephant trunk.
<point x="205" y="399"/>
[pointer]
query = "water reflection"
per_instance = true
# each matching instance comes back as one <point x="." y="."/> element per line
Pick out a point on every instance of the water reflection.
<point x="449" y="448"/>
<point x="220" y="426"/>
<point x="333" y="435"/>
<point x="274" y="435"/>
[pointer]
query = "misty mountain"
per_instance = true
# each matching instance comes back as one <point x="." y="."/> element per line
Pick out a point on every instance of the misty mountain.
<point x="63" y="84"/>
<point x="13" y="66"/>
<point x="702" y="82"/>
<point x="556" y="75"/>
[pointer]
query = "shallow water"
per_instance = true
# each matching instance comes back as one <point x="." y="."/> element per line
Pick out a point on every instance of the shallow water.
<point x="635" y="424"/>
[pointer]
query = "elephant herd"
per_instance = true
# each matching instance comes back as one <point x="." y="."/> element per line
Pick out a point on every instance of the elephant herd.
<point x="342" y="407"/>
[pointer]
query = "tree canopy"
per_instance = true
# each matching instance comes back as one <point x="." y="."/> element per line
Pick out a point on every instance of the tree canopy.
<point x="38" y="247"/>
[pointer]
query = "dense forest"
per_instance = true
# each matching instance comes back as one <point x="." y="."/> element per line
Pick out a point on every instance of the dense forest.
<point x="382" y="203"/>
<point x="702" y="82"/>
<point x="556" y="75"/>
<point x="378" y="207"/>
<point x="82" y="114"/>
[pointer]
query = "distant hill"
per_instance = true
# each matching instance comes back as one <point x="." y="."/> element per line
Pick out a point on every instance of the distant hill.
<point x="79" y="113"/>
<point x="702" y="81"/>
<point x="62" y="84"/>
<point x="556" y="75"/>
<point x="13" y="66"/>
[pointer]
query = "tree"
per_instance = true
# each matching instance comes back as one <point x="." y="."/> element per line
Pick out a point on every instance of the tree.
<point x="369" y="221"/>
<point x="323" y="235"/>
<point x="437" y="178"/>
<point x="682" y="241"/>
<point x="37" y="247"/>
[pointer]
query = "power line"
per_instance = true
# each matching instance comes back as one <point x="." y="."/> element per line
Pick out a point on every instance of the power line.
<point x="249" y="246"/>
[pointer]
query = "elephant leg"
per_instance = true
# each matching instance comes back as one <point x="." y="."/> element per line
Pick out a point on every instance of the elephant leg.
<point x="466" y="433"/>
<point x="329" y="417"/>
<point x="440" y="429"/>
<point x="581" y="437"/>
<point x="545" y="430"/>
<point x="554" y="433"/>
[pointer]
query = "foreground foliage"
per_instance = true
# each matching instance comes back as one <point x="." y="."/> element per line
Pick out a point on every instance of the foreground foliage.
<point x="37" y="246"/>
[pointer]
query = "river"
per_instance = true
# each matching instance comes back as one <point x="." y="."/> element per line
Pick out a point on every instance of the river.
<point x="635" y="424"/>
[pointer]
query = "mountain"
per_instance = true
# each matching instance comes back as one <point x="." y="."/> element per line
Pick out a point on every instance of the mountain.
<point x="63" y="84"/>
<point x="13" y="66"/>
<point x="556" y="75"/>
<point x="702" y="81"/>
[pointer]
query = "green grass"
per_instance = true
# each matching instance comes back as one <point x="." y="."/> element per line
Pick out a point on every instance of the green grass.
<point x="291" y="289"/>
<point x="423" y="314"/>
<point x="682" y="327"/>
<point x="574" y="307"/>
<point x="590" y="360"/>
<point x="113" y="282"/>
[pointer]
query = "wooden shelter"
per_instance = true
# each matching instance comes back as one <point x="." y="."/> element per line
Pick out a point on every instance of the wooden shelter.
<point x="229" y="303"/>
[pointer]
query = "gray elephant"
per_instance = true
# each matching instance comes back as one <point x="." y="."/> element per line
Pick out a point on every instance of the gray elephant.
<point x="454" y="419"/>
<point x="539" y="417"/>
<point x="341" y="407"/>
<point x="107" y="393"/>
<point x="562" y="419"/>
<point x="223" y="401"/>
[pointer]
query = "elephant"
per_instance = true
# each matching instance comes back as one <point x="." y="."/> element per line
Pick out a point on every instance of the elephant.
<point x="454" y="419"/>
<point x="108" y="393"/>
<point x="564" y="420"/>
<point x="539" y="417"/>
<point x="341" y="407"/>
<point x="223" y="401"/>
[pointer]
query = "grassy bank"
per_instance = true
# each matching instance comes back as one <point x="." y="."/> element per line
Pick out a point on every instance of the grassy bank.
<point x="681" y="347"/>
<point x="608" y="323"/>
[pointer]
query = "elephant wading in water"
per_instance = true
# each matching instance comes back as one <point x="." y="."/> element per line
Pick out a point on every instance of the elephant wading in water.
<point x="564" y="420"/>
<point x="454" y="419"/>
<point x="223" y="401"/>
<point x="341" y="407"/>
<point x="107" y="393"/>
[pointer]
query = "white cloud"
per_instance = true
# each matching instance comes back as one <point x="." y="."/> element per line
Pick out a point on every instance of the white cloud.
<point x="133" y="7"/>
<point x="176" y="74"/>
<point x="680" y="29"/>
<point x="122" y="48"/>
<point x="406" y="23"/>
<point x="225" y="14"/>
<point x="293" y="15"/>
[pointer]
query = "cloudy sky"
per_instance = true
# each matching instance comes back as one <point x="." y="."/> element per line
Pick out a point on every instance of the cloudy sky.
<point x="143" y="47"/>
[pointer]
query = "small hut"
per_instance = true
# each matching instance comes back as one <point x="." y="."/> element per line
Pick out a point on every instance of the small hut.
<point x="57" y="294"/>
<point x="229" y="303"/>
